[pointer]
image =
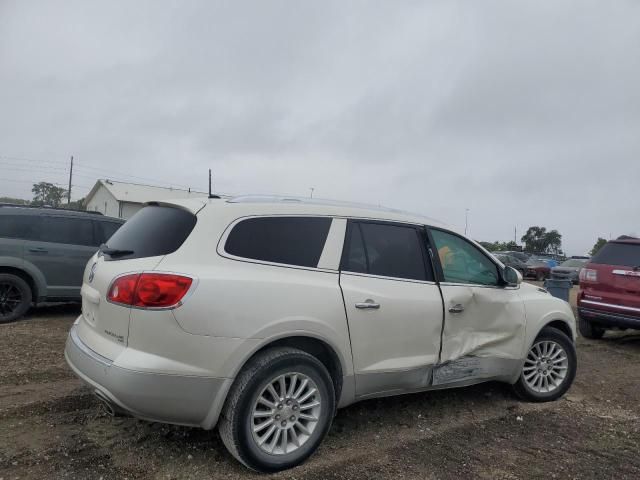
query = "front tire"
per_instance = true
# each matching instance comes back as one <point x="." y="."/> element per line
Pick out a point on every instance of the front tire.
<point x="589" y="330"/>
<point x="549" y="368"/>
<point x="15" y="297"/>
<point x="278" y="411"/>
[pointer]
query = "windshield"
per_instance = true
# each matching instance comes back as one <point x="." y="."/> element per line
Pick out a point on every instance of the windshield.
<point x="574" y="262"/>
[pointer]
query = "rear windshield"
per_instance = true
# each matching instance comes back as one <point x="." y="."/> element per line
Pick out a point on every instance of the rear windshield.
<point x="288" y="240"/>
<point x="621" y="254"/>
<point x="152" y="231"/>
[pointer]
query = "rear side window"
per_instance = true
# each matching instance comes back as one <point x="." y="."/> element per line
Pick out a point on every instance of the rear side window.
<point x="69" y="230"/>
<point x="386" y="250"/>
<point x="23" y="227"/>
<point x="620" y="254"/>
<point x="152" y="231"/>
<point x="289" y="240"/>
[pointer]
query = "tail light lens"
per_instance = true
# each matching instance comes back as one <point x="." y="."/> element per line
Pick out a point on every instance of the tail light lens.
<point x="588" y="275"/>
<point x="149" y="290"/>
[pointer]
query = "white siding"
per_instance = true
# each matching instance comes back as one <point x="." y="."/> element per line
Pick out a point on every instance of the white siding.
<point x="128" y="209"/>
<point x="102" y="201"/>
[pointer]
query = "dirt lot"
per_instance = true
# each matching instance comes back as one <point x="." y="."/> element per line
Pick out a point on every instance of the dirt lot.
<point x="51" y="427"/>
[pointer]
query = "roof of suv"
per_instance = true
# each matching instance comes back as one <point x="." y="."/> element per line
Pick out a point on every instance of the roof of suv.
<point x="29" y="210"/>
<point x="274" y="205"/>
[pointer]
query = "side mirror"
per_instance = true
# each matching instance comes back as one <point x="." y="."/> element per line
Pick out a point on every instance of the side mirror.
<point x="511" y="276"/>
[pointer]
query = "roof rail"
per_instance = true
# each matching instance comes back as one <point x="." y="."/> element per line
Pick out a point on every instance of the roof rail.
<point x="47" y="207"/>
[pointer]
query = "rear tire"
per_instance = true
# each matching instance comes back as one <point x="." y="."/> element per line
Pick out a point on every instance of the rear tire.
<point x="552" y="360"/>
<point x="589" y="330"/>
<point x="294" y="426"/>
<point x="15" y="297"/>
<point x="540" y="276"/>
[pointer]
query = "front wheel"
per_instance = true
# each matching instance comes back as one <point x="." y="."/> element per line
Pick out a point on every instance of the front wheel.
<point x="549" y="368"/>
<point x="15" y="297"/>
<point x="278" y="410"/>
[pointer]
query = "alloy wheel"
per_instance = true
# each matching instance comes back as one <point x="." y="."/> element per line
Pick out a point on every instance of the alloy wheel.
<point x="545" y="367"/>
<point x="285" y="413"/>
<point x="10" y="298"/>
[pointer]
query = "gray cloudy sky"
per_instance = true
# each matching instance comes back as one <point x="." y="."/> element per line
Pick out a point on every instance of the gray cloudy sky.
<point x="528" y="113"/>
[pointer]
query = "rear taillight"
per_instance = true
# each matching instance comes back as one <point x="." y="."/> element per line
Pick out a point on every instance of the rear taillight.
<point x="588" y="275"/>
<point x="149" y="290"/>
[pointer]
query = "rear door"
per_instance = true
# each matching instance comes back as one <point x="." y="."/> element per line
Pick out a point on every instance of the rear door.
<point x="393" y="305"/>
<point x="147" y="237"/>
<point x="60" y="249"/>
<point x="484" y="326"/>
<point x="617" y="282"/>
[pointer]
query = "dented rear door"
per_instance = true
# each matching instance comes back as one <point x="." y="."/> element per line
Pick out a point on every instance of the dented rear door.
<point x="484" y="325"/>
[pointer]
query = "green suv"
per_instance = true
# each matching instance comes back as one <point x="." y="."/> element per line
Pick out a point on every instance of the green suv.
<point x="43" y="253"/>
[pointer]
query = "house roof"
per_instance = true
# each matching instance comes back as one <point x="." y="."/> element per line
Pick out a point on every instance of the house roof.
<point x="137" y="193"/>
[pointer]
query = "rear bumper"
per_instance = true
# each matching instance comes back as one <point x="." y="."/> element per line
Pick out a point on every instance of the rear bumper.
<point x="179" y="399"/>
<point x="610" y="318"/>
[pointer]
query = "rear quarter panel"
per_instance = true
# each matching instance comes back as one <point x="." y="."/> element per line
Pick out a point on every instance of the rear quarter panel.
<point x="238" y="299"/>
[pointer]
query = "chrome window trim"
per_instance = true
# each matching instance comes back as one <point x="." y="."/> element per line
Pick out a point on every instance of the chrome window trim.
<point x="609" y="305"/>
<point x="221" y="251"/>
<point x="382" y="277"/>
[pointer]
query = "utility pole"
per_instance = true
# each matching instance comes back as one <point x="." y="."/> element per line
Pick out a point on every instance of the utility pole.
<point x="70" y="177"/>
<point x="312" y="189"/>
<point x="209" y="183"/>
<point x="515" y="233"/>
<point x="466" y="220"/>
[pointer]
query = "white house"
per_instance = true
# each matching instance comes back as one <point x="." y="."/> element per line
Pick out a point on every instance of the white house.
<point x="120" y="199"/>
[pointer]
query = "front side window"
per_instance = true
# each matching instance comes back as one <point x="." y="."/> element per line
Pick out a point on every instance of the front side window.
<point x="388" y="250"/>
<point x="24" y="227"/>
<point x="462" y="262"/>
<point x="288" y="240"/>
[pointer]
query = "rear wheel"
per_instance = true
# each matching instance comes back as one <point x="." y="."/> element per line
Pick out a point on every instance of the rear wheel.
<point x="278" y="410"/>
<point x="540" y="276"/>
<point x="589" y="330"/>
<point x="15" y="297"/>
<point x="549" y="368"/>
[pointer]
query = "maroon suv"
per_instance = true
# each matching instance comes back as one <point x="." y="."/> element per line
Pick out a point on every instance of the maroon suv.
<point x="609" y="294"/>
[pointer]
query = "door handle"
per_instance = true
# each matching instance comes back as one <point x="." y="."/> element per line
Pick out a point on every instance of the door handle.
<point x="38" y="250"/>
<point x="368" y="304"/>
<point x="457" y="308"/>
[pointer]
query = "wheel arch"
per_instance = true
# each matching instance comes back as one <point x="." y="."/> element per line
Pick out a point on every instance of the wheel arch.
<point x="317" y="347"/>
<point x="561" y="325"/>
<point x="26" y="276"/>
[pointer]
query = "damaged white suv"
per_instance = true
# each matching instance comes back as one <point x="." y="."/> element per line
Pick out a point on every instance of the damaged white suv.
<point x="264" y="315"/>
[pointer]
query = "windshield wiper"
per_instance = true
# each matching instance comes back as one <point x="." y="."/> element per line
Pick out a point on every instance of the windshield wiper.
<point x="114" y="252"/>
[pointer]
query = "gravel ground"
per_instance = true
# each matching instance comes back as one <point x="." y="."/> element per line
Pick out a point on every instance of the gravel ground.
<point x="51" y="427"/>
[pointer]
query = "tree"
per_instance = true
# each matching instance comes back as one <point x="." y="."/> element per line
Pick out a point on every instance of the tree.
<point x="500" y="246"/>
<point x="45" y="193"/>
<point x="538" y="240"/>
<point x="599" y="244"/>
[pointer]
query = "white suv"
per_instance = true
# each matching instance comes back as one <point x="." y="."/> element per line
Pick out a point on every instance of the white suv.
<point x="265" y="315"/>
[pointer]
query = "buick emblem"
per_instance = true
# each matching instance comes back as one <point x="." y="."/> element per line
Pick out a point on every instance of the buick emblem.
<point x="92" y="272"/>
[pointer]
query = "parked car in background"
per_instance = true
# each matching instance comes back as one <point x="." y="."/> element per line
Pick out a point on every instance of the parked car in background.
<point x="43" y="253"/>
<point x="538" y="269"/>
<point x="263" y="315"/>
<point x="512" y="262"/>
<point x="609" y="295"/>
<point x="522" y="256"/>
<point x="569" y="269"/>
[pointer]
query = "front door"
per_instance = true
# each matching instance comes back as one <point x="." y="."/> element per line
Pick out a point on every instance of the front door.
<point x="484" y="326"/>
<point x="393" y="305"/>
